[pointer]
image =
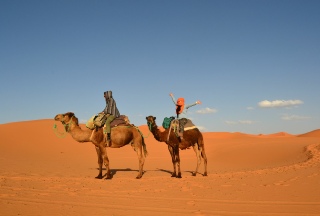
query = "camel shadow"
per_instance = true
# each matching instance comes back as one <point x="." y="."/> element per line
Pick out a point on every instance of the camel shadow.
<point x="114" y="171"/>
<point x="192" y="173"/>
<point x="170" y="172"/>
<point x="166" y="171"/>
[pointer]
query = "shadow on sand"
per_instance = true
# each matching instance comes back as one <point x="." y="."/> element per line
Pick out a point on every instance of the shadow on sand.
<point x="114" y="171"/>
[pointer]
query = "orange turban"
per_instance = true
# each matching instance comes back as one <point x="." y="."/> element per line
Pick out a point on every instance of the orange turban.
<point x="179" y="105"/>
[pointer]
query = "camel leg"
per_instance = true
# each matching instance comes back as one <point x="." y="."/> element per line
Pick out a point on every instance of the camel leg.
<point x="173" y="161"/>
<point x="141" y="158"/>
<point x="198" y="154"/>
<point x="100" y="160"/>
<point x="177" y="158"/>
<point x="204" y="156"/>
<point x="105" y="160"/>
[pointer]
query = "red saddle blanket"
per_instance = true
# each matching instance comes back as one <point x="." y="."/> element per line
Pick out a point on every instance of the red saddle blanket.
<point x="121" y="120"/>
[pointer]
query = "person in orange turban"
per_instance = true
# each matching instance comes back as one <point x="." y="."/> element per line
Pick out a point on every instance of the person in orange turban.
<point x="181" y="111"/>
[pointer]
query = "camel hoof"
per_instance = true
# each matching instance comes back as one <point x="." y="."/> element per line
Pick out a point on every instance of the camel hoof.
<point x="173" y="175"/>
<point x="205" y="174"/>
<point x="138" y="177"/>
<point x="99" y="177"/>
<point x="108" y="177"/>
<point x="194" y="174"/>
<point x="179" y="175"/>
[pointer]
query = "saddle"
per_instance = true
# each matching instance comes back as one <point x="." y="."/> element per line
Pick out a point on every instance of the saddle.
<point x="175" y="126"/>
<point x="188" y="126"/>
<point x="121" y="120"/>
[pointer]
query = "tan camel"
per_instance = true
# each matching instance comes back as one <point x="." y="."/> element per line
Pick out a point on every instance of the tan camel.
<point x="121" y="136"/>
<point x="191" y="137"/>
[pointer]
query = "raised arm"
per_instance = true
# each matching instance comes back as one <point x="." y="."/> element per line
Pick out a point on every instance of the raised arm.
<point x="190" y="105"/>
<point x="173" y="99"/>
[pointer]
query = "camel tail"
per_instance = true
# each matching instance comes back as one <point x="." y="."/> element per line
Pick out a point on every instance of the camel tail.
<point x="144" y="146"/>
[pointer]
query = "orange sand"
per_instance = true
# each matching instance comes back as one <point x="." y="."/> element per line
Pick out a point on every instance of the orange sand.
<point x="41" y="174"/>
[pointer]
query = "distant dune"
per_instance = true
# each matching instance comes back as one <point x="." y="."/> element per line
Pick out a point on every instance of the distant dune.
<point x="314" y="133"/>
<point x="48" y="173"/>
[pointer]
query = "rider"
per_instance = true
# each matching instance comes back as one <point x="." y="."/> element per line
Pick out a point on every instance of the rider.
<point x="111" y="111"/>
<point x="181" y="111"/>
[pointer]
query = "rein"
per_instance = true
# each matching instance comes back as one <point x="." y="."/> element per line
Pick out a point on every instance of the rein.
<point x="150" y="127"/>
<point x="64" y="132"/>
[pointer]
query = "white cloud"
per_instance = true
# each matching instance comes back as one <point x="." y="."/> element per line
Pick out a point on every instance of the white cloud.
<point x="279" y="103"/>
<point x="294" y="117"/>
<point x="239" y="122"/>
<point x="231" y="122"/>
<point x="246" y="122"/>
<point x="207" y="110"/>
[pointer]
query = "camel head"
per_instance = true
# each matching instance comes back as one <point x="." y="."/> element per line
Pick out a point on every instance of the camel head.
<point x="151" y="122"/>
<point x="67" y="119"/>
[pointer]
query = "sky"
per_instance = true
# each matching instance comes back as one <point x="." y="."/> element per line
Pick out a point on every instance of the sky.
<point x="253" y="64"/>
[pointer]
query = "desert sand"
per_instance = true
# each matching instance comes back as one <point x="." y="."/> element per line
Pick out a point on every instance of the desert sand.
<point x="272" y="174"/>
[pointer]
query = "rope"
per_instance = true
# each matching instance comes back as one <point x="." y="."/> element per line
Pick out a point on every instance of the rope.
<point x="64" y="133"/>
<point x="150" y="128"/>
<point x="59" y="134"/>
<point x="141" y="132"/>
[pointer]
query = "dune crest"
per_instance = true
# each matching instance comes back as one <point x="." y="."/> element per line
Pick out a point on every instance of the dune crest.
<point x="314" y="133"/>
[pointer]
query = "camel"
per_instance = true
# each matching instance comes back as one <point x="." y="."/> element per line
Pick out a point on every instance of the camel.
<point x="120" y="136"/>
<point x="191" y="137"/>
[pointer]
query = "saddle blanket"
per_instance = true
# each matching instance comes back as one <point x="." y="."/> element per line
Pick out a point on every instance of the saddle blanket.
<point x="121" y="120"/>
<point x="189" y="125"/>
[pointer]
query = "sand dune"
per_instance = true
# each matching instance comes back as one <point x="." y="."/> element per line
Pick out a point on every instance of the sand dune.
<point x="43" y="174"/>
<point x="314" y="133"/>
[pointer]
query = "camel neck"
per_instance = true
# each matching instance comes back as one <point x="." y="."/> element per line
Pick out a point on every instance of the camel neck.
<point x="80" y="135"/>
<point x="158" y="135"/>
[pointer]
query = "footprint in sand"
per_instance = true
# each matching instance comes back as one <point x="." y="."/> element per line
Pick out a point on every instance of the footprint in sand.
<point x="281" y="183"/>
<point x="226" y="185"/>
<point x="312" y="175"/>
<point x="199" y="213"/>
<point x="191" y="202"/>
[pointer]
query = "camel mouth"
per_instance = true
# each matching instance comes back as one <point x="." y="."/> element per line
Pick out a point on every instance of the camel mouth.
<point x="58" y="117"/>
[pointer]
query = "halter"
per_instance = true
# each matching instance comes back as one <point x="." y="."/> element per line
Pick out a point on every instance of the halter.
<point x="150" y="129"/>
<point x="150" y="126"/>
<point x="65" y="125"/>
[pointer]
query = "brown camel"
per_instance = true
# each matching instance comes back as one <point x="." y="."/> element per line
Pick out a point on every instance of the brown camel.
<point x="191" y="137"/>
<point x="121" y="136"/>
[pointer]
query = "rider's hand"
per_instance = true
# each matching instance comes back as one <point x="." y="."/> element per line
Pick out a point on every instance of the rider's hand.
<point x="198" y="102"/>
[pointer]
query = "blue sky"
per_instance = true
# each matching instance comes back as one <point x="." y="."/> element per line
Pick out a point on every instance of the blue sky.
<point x="254" y="64"/>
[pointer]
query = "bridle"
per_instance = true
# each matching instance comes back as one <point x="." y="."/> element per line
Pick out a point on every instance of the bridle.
<point x="66" y="127"/>
<point x="150" y="125"/>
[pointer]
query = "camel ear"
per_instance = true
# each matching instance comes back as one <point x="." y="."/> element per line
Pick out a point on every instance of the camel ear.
<point x="69" y="114"/>
<point x="154" y="118"/>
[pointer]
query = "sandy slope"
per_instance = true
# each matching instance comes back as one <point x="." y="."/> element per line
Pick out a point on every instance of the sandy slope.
<point x="41" y="174"/>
